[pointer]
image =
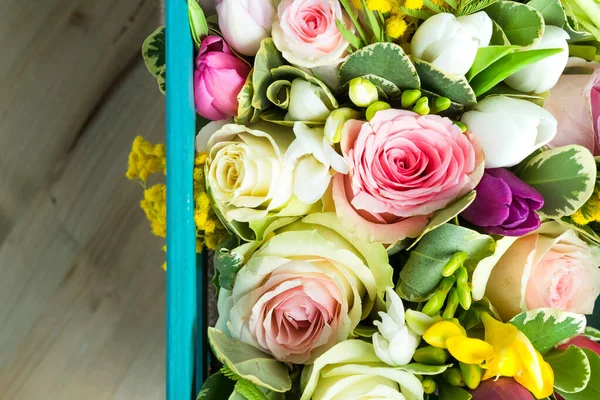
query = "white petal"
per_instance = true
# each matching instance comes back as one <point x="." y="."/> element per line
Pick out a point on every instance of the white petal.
<point x="403" y="347"/>
<point x="311" y="179"/>
<point x="337" y="162"/>
<point x="482" y="23"/>
<point x="395" y="308"/>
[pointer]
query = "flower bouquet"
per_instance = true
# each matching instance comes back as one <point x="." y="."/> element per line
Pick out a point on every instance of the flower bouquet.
<point x="401" y="196"/>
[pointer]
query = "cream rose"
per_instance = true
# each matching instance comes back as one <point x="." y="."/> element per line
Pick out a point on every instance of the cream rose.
<point x="551" y="267"/>
<point x="304" y="290"/>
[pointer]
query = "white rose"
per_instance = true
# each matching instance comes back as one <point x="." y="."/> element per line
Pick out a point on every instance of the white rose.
<point x="509" y="129"/>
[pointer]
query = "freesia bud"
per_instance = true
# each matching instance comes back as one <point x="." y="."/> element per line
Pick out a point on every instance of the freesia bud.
<point x="451" y="43"/>
<point x="410" y="97"/>
<point x="363" y="92"/>
<point x="422" y="106"/>
<point x="377" y="106"/>
<point x="335" y="122"/>
<point x="419" y="322"/>
<point x="509" y="129"/>
<point x="308" y="102"/>
<point x="543" y="75"/>
<point x="441" y="104"/>
<point x="429" y="385"/>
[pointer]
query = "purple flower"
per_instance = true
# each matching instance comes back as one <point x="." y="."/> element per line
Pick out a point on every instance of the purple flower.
<point x="500" y="389"/>
<point x="505" y="205"/>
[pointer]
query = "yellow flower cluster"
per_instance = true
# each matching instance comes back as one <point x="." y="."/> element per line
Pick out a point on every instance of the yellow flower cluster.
<point x="209" y="230"/>
<point x="379" y="5"/>
<point x="154" y="205"/>
<point x="395" y="26"/>
<point x="145" y="159"/>
<point x="590" y="211"/>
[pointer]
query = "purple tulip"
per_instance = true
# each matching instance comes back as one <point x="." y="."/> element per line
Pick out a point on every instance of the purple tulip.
<point x="505" y="205"/>
<point x="218" y="79"/>
<point x="501" y="389"/>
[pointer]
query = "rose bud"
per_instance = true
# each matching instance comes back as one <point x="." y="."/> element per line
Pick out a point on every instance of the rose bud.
<point x="218" y="79"/>
<point x="505" y="205"/>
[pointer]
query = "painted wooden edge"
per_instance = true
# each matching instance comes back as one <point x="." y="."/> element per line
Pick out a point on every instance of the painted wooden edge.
<point x="202" y="283"/>
<point x="181" y="231"/>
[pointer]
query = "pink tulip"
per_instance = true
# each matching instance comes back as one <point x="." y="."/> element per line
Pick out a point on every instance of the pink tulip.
<point x="583" y="343"/>
<point x="575" y="103"/>
<point x="218" y="79"/>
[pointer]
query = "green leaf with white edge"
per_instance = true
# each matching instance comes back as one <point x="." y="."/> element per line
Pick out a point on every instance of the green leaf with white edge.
<point x="571" y="369"/>
<point x="198" y="23"/>
<point x="244" y="98"/>
<point x="290" y="72"/>
<point x="523" y="25"/>
<point x="385" y="60"/>
<point x="454" y="87"/>
<point x="486" y="56"/>
<point x="267" y="58"/>
<point x="592" y="333"/>
<point x="551" y="10"/>
<point x="422" y="273"/>
<point x="548" y="327"/>
<point x="440" y="217"/>
<point x="592" y="390"/>
<point x="585" y="232"/>
<point x="277" y="116"/>
<point x="385" y="88"/>
<point x="216" y="387"/>
<point x="449" y="392"/>
<point x="422" y="369"/>
<point x="564" y="176"/>
<point x="278" y="93"/>
<point x="153" y="52"/>
<point x="575" y="35"/>
<point x="250" y="363"/>
<point x="227" y="262"/>
<point x="498" y="36"/>
<point x="506" y="66"/>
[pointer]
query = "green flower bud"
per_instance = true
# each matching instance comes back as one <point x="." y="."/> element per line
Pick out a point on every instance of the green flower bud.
<point x="446" y="284"/>
<point x="462" y="126"/>
<point x="430" y="355"/>
<point x="436" y="302"/>
<point x="422" y="106"/>
<point x="410" y="97"/>
<point x="451" y="304"/>
<point x="377" y="106"/>
<point x="456" y="261"/>
<point x="471" y="375"/>
<point x="335" y="122"/>
<point x="441" y="104"/>
<point x="363" y="92"/>
<point x="429" y="385"/>
<point x="462" y="275"/>
<point x="454" y="376"/>
<point x="464" y="295"/>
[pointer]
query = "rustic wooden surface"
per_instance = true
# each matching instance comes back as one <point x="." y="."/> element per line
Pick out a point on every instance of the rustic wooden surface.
<point x="81" y="289"/>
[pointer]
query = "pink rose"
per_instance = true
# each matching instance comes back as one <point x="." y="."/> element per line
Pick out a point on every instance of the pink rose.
<point x="575" y="103"/>
<point x="403" y="167"/>
<point x="550" y="268"/>
<point x="218" y="79"/>
<point x="305" y="32"/>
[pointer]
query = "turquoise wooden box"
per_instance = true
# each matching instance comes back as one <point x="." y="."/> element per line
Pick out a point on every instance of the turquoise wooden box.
<point x="187" y="355"/>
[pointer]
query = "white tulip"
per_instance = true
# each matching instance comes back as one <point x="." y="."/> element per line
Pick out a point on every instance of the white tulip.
<point x="308" y="102"/>
<point x="395" y="343"/>
<point x="451" y="43"/>
<point x="314" y="162"/>
<point x="245" y="23"/>
<point x="509" y="129"/>
<point x="543" y="75"/>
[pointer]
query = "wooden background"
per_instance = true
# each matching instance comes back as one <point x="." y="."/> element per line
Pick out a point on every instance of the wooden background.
<point x="81" y="289"/>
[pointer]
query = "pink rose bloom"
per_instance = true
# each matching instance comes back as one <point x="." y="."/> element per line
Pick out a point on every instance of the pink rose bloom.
<point x="550" y="268"/>
<point x="575" y="103"/>
<point x="218" y="79"/>
<point x="305" y="32"/>
<point x="403" y="167"/>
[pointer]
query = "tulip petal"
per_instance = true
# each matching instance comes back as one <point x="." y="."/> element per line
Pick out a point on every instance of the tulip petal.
<point x="491" y="205"/>
<point x="469" y="350"/>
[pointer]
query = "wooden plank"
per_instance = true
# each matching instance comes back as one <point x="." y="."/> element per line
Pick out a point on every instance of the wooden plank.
<point x="181" y="231"/>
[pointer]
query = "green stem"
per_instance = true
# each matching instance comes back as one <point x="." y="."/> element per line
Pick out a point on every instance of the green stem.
<point x="354" y="20"/>
<point x="582" y="51"/>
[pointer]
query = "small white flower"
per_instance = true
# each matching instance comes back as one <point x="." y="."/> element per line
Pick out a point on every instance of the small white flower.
<point x="395" y="343"/>
<point x="308" y="102"/>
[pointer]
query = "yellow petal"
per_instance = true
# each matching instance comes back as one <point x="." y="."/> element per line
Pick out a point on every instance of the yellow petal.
<point x="468" y="350"/>
<point x="530" y="357"/>
<point x="498" y="334"/>
<point x="529" y="379"/>
<point x="440" y="332"/>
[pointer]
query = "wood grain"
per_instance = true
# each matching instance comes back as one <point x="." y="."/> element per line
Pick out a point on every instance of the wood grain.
<point x="81" y="290"/>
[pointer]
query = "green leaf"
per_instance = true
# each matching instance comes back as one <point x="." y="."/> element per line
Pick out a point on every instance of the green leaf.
<point x="365" y="331"/>
<point x="572" y="28"/>
<point x="469" y="7"/>
<point x="571" y="369"/>
<point x="385" y="60"/>
<point x="440" y="217"/>
<point x="277" y="116"/>
<point x="239" y="229"/>
<point x="486" y="56"/>
<point x="422" y="369"/>
<point x="506" y="66"/>
<point x="349" y="36"/>
<point x="505" y="90"/>
<point x="449" y="392"/>
<point x="584" y="231"/>
<point x="267" y="58"/>
<point x="547" y="327"/>
<point x="249" y="390"/>
<point x="153" y="51"/>
<point x="385" y="88"/>
<point x="289" y="72"/>
<point x="551" y="10"/>
<point x="565" y="177"/>
<point x="216" y="387"/>
<point x="453" y="112"/>
<point x="498" y="36"/>
<point x="523" y="25"/>
<point x="454" y="87"/>
<point x="198" y="23"/>
<point x="250" y="363"/>
<point x="278" y="93"/>
<point x="227" y="262"/>
<point x="244" y="98"/>
<point x="592" y="333"/>
<point x="423" y="271"/>
<point x="592" y="390"/>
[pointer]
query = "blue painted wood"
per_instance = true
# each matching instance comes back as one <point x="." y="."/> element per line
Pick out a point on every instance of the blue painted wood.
<point x="181" y="234"/>
<point x="201" y="333"/>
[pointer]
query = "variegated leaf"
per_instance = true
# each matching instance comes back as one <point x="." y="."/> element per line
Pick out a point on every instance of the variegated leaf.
<point x="153" y="51"/>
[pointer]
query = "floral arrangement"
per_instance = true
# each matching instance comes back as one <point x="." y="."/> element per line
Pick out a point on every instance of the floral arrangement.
<point x="401" y="195"/>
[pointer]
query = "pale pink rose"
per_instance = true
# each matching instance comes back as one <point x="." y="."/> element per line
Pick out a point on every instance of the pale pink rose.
<point x="403" y="167"/>
<point x="550" y="268"/>
<point x="575" y="103"/>
<point x="306" y="33"/>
